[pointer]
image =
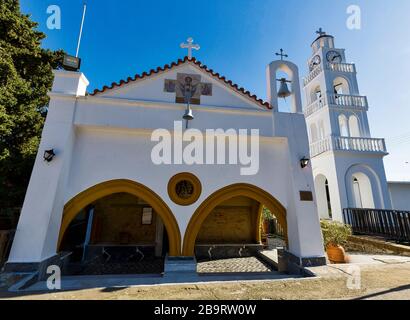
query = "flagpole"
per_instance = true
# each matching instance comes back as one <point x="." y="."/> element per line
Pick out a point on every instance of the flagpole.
<point x="81" y="30"/>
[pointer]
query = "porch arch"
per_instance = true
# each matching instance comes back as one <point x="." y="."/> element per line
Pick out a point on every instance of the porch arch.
<point x="225" y="194"/>
<point x="83" y="199"/>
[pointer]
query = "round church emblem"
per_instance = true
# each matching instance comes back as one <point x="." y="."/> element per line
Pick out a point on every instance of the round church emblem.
<point x="184" y="189"/>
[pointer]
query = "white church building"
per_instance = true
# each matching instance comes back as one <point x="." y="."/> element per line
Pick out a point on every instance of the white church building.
<point x="106" y="172"/>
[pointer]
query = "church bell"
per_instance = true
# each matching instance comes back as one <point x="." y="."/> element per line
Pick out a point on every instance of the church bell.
<point x="188" y="115"/>
<point x="284" y="91"/>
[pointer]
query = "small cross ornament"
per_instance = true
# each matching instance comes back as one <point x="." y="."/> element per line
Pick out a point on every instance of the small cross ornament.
<point x="281" y="54"/>
<point x="320" y="32"/>
<point x="190" y="45"/>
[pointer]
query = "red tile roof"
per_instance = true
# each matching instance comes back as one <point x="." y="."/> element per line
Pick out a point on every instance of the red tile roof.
<point x="179" y="62"/>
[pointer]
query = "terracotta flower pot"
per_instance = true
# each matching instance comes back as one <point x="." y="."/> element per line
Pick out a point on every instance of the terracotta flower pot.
<point x="336" y="254"/>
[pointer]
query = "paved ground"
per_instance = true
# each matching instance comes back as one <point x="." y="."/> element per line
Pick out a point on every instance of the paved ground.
<point x="156" y="266"/>
<point x="368" y="277"/>
<point x="251" y="264"/>
<point x="147" y="266"/>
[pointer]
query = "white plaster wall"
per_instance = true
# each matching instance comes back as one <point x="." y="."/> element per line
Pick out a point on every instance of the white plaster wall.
<point x="132" y="114"/>
<point x="44" y="202"/>
<point x="400" y="195"/>
<point x="97" y="150"/>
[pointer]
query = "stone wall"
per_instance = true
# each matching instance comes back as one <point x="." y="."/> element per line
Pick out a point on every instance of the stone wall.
<point x="374" y="245"/>
<point x="118" y="220"/>
<point x="228" y="224"/>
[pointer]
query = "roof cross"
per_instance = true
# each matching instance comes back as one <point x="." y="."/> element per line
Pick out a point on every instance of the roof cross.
<point x="281" y="54"/>
<point x="320" y="32"/>
<point x="190" y="45"/>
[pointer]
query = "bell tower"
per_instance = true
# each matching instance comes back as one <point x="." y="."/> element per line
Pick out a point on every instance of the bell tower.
<point x="347" y="161"/>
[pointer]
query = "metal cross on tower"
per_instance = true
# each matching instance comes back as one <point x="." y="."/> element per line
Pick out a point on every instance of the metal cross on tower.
<point x="190" y="45"/>
<point x="320" y="32"/>
<point x="281" y="54"/>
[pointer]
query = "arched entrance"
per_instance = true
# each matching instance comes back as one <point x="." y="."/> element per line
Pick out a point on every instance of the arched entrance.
<point x="76" y="205"/>
<point x="236" y="191"/>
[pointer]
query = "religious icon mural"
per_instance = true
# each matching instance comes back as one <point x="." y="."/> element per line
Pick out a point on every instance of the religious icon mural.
<point x="184" y="189"/>
<point x="188" y="88"/>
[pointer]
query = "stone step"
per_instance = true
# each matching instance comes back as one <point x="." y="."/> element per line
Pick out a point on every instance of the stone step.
<point x="180" y="265"/>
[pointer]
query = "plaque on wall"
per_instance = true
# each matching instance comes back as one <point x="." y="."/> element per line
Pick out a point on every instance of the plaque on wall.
<point x="147" y="216"/>
<point x="306" y="196"/>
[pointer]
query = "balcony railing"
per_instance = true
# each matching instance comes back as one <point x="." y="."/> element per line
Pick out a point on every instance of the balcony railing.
<point x="313" y="74"/>
<point x="359" y="144"/>
<point x="315" y="106"/>
<point x="341" y="67"/>
<point x="345" y="100"/>
<point x="320" y="147"/>
<point x="358" y="103"/>
<point x="348" y="144"/>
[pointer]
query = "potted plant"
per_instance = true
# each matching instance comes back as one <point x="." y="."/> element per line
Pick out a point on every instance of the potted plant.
<point x="335" y="235"/>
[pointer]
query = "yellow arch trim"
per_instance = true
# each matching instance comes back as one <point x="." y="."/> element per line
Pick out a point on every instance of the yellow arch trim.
<point x="222" y="195"/>
<point x="75" y="205"/>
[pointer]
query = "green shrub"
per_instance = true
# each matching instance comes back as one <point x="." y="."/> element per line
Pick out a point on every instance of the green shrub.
<point x="335" y="233"/>
<point x="267" y="215"/>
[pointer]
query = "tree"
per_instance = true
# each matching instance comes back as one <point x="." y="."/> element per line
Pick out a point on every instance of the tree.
<point x="25" y="77"/>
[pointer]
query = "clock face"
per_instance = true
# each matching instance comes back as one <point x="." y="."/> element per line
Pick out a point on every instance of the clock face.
<point x="334" y="57"/>
<point x="315" y="62"/>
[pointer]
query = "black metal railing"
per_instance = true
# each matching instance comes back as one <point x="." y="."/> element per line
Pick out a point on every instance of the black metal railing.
<point x="391" y="224"/>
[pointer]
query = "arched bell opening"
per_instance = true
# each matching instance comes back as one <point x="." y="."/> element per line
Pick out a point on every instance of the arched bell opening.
<point x="341" y="87"/>
<point x="284" y="89"/>
<point x="283" y="86"/>
<point x="316" y="95"/>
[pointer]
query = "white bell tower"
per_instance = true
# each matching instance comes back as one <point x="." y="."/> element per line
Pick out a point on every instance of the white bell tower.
<point x="347" y="162"/>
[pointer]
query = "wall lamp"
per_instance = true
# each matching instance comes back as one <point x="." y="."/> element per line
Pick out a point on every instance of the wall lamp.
<point x="49" y="155"/>
<point x="304" y="162"/>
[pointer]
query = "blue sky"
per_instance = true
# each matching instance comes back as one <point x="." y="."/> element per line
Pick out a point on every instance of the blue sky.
<point x="239" y="38"/>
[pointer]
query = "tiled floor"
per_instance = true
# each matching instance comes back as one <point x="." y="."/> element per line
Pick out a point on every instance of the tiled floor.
<point x="148" y="266"/>
<point x="239" y="265"/>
